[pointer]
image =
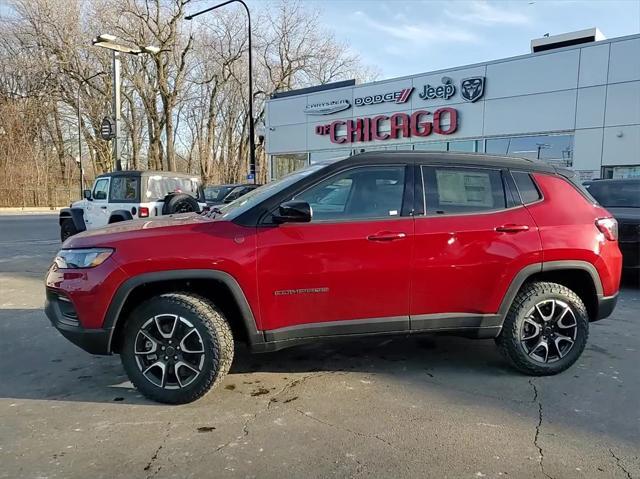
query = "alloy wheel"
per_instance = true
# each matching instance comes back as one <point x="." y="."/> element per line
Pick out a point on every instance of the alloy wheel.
<point x="549" y="331"/>
<point x="169" y="351"/>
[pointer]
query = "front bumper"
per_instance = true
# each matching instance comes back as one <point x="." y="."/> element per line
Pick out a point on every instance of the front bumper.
<point x="606" y="305"/>
<point x="61" y="312"/>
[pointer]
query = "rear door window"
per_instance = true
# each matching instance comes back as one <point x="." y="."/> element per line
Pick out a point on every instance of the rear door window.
<point x="461" y="190"/>
<point x="124" y="189"/>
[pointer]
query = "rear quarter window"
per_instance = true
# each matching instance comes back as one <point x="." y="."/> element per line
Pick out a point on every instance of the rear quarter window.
<point x="527" y="188"/>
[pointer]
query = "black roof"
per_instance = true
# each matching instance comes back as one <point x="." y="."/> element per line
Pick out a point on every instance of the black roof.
<point x="435" y="157"/>
<point x="171" y="174"/>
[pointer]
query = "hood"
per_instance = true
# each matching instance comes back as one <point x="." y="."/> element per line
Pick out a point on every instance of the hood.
<point x="136" y="228"/>
<point x="625" y="214"/>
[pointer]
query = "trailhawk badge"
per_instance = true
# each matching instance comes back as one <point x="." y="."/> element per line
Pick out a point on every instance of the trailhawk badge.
<point x="472" y="89"/>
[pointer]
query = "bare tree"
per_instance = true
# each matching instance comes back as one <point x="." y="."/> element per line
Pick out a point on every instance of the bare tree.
<point x="185" y="108"/>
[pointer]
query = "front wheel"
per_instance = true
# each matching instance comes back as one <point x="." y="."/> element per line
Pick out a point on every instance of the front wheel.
<point x="67" y="229"/>
<point x="176" y="347"/>
<point x="546" y="329"/>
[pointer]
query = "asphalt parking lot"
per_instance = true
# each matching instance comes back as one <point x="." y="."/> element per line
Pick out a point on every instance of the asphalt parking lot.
<point x="403" y="407"/>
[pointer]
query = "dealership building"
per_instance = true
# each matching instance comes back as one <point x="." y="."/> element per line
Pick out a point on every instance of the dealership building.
<point x="573" y="101"/>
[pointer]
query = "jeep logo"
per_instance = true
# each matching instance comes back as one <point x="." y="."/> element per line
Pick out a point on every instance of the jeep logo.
<point x="445" y="91"/>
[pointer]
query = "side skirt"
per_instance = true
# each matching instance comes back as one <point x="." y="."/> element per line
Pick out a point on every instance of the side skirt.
<point x="482" y="326"/>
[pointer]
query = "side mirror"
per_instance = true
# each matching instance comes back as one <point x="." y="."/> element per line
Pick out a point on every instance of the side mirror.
<point x="293" y="212"/>
<point x="87" y="195"/>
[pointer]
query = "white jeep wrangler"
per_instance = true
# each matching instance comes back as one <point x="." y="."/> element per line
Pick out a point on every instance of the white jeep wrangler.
<point x="125" y="195"/>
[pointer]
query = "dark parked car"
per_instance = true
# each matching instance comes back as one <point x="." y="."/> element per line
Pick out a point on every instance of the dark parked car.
<point x="221" y="194"/>
<point x="622" y="200"/>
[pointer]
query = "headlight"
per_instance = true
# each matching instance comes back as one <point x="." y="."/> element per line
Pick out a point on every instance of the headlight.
<point x="81" y="258"/>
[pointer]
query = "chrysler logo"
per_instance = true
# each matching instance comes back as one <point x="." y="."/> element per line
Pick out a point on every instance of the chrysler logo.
<point x="327" y="107"/>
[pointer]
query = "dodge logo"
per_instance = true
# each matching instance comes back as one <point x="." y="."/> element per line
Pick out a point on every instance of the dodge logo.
<point x="472" y="88"/>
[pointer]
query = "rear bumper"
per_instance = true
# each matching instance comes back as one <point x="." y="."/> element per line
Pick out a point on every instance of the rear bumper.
<point x="606" y="305"/>
<point x="60" y="312"/>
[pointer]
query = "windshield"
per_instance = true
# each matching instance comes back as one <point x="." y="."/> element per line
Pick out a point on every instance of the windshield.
<point x="217" y="193"/>
<point x="616" y="194"/>
<point x="254" y="197"/>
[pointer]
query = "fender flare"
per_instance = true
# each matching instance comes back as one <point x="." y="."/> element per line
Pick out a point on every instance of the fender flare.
<point x="124" y="290"/>
<point x="76" y="215"/>
<point x="120" y="215"/>
<point x="525" y="273"/>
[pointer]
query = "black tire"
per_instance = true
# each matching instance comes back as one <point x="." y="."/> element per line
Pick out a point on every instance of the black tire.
<point x="517" y="327"/>
<point x="180" y="203"/>
<point x="67" y="229"/>
<point x="213" y="335"/>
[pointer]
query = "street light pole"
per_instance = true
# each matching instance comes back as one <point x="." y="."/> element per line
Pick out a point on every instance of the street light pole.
<point x="252" y="140"/>
<point x="110" y="42"/>
<point x="117" y="145"/>
<point x="82" y="82"/>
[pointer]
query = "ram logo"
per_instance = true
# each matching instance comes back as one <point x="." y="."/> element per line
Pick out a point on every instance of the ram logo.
<point x="472" y="88"/>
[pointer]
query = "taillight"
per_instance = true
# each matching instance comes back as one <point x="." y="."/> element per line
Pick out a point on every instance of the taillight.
<point x="143" y="212"/>
<point x="608" y="227"/>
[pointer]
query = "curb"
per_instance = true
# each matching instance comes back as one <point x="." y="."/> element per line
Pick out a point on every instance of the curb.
<point x="30" y="210"/>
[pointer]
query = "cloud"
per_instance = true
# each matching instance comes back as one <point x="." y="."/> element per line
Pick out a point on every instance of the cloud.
<point x="481" y="12"/>
<point x="417" y="33"/>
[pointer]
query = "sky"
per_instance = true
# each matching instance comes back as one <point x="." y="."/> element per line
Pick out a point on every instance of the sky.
<point x="404" y="37"/>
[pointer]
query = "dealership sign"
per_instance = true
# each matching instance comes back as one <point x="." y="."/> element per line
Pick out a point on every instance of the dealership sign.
<point x="327" y="107"/>
<point x="421" y="123"/>
<point x="400" y="96"/>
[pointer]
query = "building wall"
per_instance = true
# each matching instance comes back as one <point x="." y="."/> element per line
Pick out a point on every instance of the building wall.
<point x="591" y="92"/>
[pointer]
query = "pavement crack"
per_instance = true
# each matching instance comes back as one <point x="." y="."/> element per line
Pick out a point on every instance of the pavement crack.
<point x="619" y="464"/>
<point x="346" y="429"/>
<point x="535" y="391"/>
<point x="538" y="427"/>
<point x="154" y="457"/>
<point x="272" y="400"/>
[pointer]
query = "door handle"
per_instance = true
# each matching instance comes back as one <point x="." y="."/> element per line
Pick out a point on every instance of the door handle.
<point x="386" y="236"/>
<point x="512" y="228"/>
<point x="103" y="207"/>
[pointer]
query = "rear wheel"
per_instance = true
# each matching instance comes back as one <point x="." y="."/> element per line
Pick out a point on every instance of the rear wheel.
<point x="176" y="347"/>
<point x="67" y="229"/>
<point x="545" y="330"/>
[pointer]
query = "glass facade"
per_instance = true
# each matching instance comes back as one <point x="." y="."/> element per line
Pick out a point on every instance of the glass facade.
<point x="619" y="172"/>
<point x="556" y="149"/>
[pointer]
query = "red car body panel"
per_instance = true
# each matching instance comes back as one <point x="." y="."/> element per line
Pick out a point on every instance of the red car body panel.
<point x="349" y="276"/>
<point x="462" y="264"/>
<point x="183" y="242"/>
<point x="570" y="233"/>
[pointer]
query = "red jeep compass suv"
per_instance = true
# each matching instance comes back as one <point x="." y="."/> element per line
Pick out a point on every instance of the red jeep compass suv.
<point x="380" y="243"/>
